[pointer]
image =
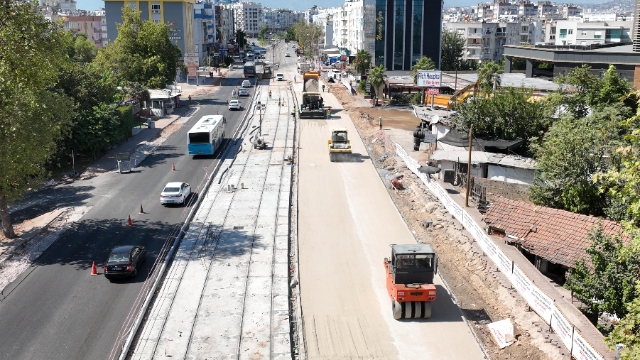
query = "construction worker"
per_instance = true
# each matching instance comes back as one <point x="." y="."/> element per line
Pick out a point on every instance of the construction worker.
<point x="278" y="101"/>
<point x="293" y="111"/>
<point x="329" y="113"/>
<point x="269" y="93"/>
<point x="322" y="87"/>
<point x="189" y="100"/>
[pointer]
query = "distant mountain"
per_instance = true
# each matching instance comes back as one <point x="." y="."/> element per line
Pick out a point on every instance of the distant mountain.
<point x="618" y="6"/>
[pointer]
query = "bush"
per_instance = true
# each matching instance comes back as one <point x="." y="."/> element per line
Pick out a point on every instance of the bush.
<point x="228" y="60"/>
<point x="399" y="99"/>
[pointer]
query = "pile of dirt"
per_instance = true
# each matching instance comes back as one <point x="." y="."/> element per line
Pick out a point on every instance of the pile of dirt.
<point x="482" y="292"/>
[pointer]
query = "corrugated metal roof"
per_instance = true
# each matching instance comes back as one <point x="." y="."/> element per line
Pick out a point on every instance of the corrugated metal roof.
<point x="483" y="157"/>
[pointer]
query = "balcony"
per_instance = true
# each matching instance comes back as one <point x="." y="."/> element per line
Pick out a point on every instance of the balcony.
<point x="501" y="34"/>
<point x="474" y="45"/>
<point x="473" y="56"/>
<point x="474" y="35"/>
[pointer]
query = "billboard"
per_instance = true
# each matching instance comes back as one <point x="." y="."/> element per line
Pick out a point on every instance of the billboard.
<point x="429" y="78"/>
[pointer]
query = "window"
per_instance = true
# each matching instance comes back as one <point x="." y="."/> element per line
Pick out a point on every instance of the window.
<point x="584" y="32"/>
<point x="563" y="33"/>
<point x="570" y="31"/>
<point x="155" y="8"/>
<point x="597" y="34"/>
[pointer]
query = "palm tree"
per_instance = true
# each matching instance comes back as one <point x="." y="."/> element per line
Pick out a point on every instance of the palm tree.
<point x="489" y="76"/>
<point x="376" y="78"/>
<point x="363" y="61"/>
<point x="424" y="63"/>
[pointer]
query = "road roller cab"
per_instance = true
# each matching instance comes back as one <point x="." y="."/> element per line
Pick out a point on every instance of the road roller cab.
<point x="410" y="271"/>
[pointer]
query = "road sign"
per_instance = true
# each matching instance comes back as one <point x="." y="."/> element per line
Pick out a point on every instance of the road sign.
<point x="428" y="78"/>
<point x="433" y="91"/>
<point x="429" y="138"/>
<point x="368" y="86"/>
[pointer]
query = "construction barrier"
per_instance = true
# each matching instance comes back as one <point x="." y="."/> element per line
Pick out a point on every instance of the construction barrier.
<point x="535" y="298"/>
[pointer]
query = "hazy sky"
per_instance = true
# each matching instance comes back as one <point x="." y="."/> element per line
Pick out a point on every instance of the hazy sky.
<point x="305" y="4"/>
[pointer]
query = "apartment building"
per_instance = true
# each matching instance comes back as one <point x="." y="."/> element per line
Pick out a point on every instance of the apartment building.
<point x="279" y="19"/>
<point x="225" y="23"/>
<point x="325" y="20"/>
<point x="568" y="10"/>
<point x="204" y="28"/>
<point x="485" y="41"/>
<point x="94" y="27"/>
<point x="348" y="26"/>
<point x="247" y="16"/>
<point x="177" y="14"/>
<point x="588" y="33"/>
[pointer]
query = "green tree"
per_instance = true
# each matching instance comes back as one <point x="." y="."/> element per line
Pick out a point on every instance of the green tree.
<point x="241" y="39"/>
<point x="451" y="53"/>
<point x="627" y="331"/>
<point x="489" y="76"/>
<point x="290" y="34"/>
<point x="376" y="78"/>
<point x="142" y="52"/>
<point x="607" y="283"/>
<point x="32" y="115"/>
<point x="263" y="32"/>
<point x="573" y="152"/>
<point x="363" y="61"/>
<point x="424" y="63"/>
<point x="508" y="114"/>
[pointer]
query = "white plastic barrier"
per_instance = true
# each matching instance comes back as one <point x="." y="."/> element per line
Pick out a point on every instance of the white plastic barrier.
<point x="535" y="298"/>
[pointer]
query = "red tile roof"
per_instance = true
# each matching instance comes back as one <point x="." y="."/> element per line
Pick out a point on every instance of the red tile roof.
<point x="558" y="236"/>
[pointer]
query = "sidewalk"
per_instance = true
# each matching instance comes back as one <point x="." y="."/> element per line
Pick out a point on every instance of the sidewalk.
<point x="560" y="296"/>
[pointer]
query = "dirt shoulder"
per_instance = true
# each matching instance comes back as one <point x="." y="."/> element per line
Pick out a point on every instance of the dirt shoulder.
<point x="482" y="292"/>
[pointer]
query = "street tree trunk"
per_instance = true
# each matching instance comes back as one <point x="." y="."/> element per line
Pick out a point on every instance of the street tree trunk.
<point x="7" y="225"/>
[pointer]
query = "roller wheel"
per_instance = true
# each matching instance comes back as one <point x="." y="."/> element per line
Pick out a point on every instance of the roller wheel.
<point x="332" y="157"/>
<point x="427" y="310"/>
<point x="396" y="309"/>
<point x="416" y="147"/>
<point x="418" y="309"/>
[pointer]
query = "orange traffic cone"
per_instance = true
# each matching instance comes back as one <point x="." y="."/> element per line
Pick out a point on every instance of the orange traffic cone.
<point x="94" y="269"/>
<point x="129" y="223"/>
<point x="173" y="167"/>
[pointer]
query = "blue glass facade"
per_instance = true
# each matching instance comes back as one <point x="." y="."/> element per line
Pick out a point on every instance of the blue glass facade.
<point x="406" y="30"/>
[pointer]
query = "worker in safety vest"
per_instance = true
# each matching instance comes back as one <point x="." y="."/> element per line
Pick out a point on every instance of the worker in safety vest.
<point x="293" y="112"/>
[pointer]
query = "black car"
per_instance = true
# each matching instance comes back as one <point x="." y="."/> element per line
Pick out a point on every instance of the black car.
<point x="124" y="261"/>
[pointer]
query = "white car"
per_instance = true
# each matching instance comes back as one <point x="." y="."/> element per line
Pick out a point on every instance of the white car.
<point x="280" y="76"/>
<point x="175" y="193"/>
<point x="234" y="105"/>
<point x="246" y="84"/>
<point x="287" y="55"/>
<point x="243" y="92"/>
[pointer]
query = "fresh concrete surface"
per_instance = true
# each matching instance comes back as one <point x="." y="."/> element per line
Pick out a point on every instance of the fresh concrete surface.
<point x="346" y="223"/>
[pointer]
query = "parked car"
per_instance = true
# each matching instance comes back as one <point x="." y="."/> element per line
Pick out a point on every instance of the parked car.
<point x="175" y="193"/>
<point x="280" y="76"/>
<point x="243" y="92"/>
<point x="234" y="105"/>
<point x="246" y="84"/>
<point x="124" y="261"/>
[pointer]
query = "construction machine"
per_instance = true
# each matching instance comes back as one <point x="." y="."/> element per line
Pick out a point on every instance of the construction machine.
<point x="312" y="102"/>
<point x="410" y="272"/>
<point x="339" y="146"/>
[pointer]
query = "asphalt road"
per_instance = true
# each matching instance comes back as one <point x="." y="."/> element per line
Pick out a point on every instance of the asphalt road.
<point x="55" y="309"/>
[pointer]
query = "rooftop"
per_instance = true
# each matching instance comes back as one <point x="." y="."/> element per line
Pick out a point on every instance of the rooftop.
<point x="483" y="157"/>
<point x="558" y="236"/>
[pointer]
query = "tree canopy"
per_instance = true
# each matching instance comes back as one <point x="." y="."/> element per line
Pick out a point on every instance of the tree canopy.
<point x="141" y="53"/>
<point x="452" y="51"/>
<point x="363" y="61"/>
<point x="33" y="116"/>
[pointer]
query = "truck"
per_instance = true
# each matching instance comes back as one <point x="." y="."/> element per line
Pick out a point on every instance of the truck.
<point x="303" y="68"/>
<point x="312" y="106"/>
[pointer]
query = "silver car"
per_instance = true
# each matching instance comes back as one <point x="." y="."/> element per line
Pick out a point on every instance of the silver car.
<point x="175" y="193"/>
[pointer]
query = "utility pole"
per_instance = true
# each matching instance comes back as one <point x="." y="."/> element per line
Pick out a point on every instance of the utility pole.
<point x="466" y="199"/>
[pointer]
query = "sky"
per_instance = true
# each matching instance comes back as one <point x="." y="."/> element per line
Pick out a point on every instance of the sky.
<point x="306" y="4"/>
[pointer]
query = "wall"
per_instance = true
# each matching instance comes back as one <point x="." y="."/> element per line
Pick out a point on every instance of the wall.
<point x="518" y="192"/>
<point x="510" y="174"/>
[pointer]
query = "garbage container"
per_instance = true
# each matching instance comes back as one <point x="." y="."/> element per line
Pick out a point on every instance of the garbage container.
<point x="151" y="124"/>
<point x="124" y="162"/>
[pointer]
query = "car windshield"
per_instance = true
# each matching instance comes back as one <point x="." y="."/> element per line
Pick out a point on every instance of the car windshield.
<point x="171" y="189"/>
<point x="119" y="257"/>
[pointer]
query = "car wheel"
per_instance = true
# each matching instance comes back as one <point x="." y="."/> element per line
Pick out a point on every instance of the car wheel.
<point x="145" y="257"/>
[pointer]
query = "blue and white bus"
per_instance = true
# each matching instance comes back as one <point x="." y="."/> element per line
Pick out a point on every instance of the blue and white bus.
<point x="249" y="69"/>
<point x="206" y="136"/>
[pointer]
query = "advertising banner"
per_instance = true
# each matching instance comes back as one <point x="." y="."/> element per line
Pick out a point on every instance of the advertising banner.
<point x="582" y="350"/>
<point x="562" y="327"/>
<point x="428" y="78"/>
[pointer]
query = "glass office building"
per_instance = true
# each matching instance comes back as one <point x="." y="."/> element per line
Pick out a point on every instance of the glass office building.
<point x="402" y="31"/>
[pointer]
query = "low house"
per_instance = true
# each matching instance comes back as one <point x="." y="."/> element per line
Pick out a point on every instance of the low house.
<point x="163" y="102"/>
<point x="553" y="240"/>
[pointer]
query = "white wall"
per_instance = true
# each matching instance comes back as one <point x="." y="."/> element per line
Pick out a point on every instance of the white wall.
<point x="510" y="175"/>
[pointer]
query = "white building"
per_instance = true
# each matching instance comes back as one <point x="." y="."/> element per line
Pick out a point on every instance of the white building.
<point x="348" y="26"/>
<point x="279" y="19"/>
<point x="588" y="33"/>
<point x="485" y="41"/>
<point x="247" y="17"/>
<point x="226" y="24"/>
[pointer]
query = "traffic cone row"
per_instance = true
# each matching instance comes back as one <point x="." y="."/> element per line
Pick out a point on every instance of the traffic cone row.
<point x="94" y="269"/>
